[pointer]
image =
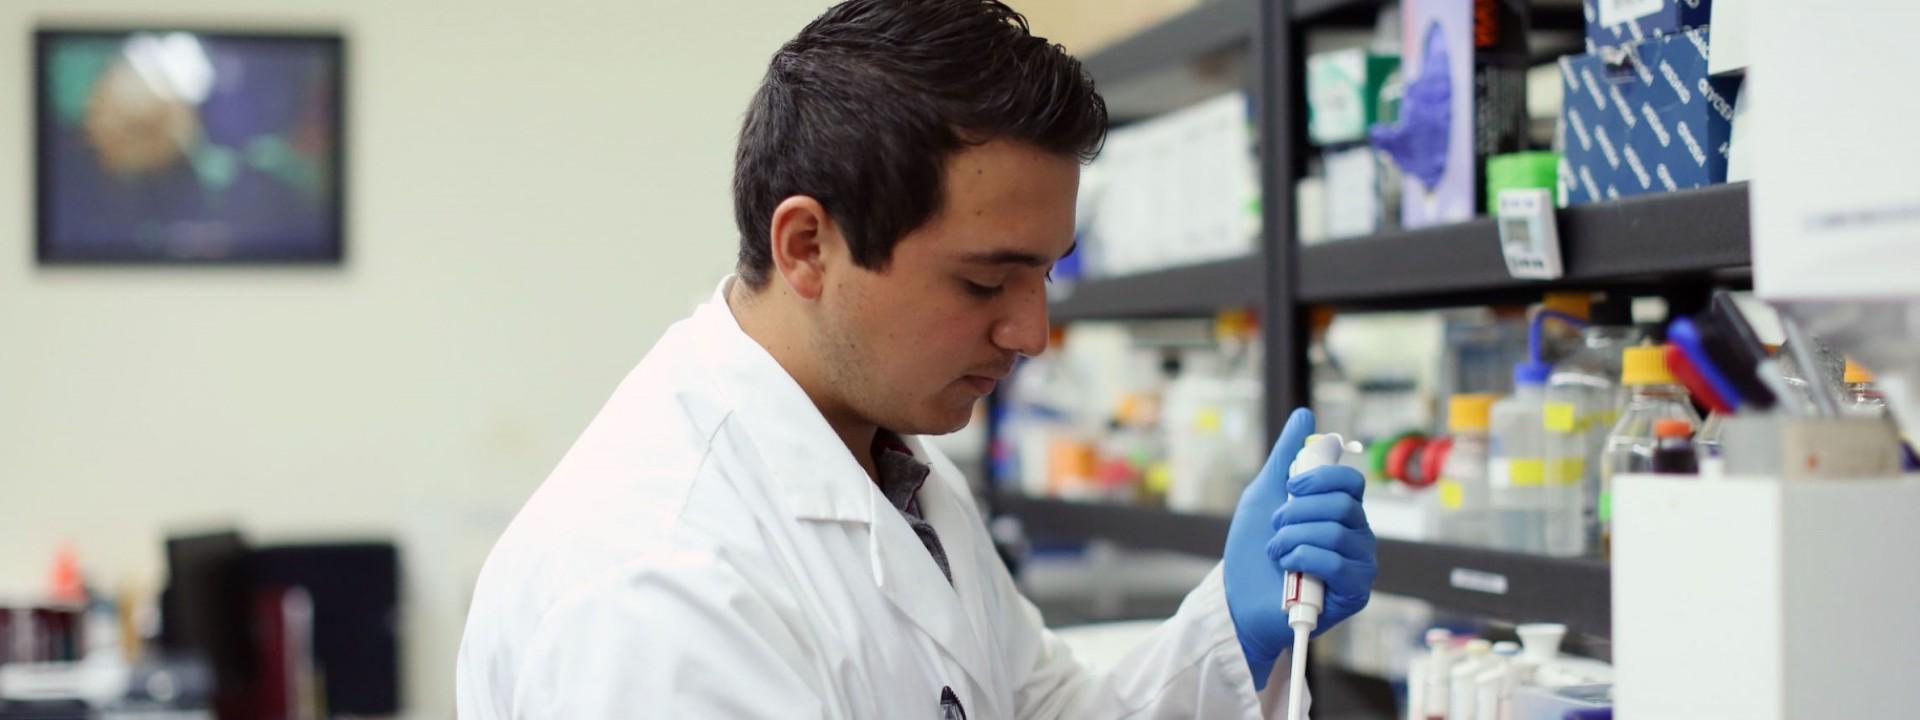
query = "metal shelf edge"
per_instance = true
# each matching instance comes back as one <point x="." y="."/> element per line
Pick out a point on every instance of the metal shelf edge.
<point x="1188" y="291"/>
<point x="1692" y="232"/>
<point x="1509" y="586"/>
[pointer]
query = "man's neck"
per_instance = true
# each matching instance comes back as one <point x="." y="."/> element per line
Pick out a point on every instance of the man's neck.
<point x="778" y="329"/>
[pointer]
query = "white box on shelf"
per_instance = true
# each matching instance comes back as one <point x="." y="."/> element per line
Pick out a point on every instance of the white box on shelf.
<point x="1761" y="598"/>
<point x="1174" y="190"/>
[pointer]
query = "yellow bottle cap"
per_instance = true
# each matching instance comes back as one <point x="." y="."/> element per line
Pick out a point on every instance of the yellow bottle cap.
<point x="1237" y="324"/>
<point x="1469" y="413"/>
<point x="1856" y="374"/>
<point x="1577" y="304"/>
<point x="1645" y="365"/>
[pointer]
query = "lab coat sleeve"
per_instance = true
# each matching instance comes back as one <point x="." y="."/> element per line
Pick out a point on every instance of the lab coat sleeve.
<point x="1191" y="666"/>
<point x="688" y="642"/>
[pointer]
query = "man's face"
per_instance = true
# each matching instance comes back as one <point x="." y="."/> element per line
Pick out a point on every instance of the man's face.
<point x="913" y="347"/>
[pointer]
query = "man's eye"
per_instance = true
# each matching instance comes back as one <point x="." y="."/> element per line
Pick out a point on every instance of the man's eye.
<point x="981" y="291"/>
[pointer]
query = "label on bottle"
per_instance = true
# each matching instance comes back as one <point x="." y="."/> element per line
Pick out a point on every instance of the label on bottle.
<point x="1517" y="472"/>
<point x="1560" y="417"/>
<point x="1453" y="495"/>
<point x="1566" y="472"/>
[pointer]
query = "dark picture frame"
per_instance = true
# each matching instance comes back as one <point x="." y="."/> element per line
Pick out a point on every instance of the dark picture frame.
<point x="181" y="146"/>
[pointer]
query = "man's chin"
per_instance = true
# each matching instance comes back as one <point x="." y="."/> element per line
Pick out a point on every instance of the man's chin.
<point x="943" y="422"/>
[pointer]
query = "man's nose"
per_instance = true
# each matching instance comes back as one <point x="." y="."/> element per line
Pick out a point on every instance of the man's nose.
<point x="1024" y="330"/>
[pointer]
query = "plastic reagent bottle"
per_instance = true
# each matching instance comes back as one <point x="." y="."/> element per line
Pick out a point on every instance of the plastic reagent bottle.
<point x="1461" y="494"/>
<point x="1440" y="660"/>
<point x="1494" y="684"/>
<point x="1653" y="396"/>
<point x="1673" y="452"/>
<point x="1583" y="402"/>
<point x="1460" y="695"/>
<point x="1516" y="463"/>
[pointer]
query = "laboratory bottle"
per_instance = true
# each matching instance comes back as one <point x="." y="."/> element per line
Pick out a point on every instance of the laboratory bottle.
<point x="1460" y="497"/>
<point x="1652" y="395"/>
<point x="1435" y="674"/>
<point x="1493" y="684"/>
<point x="1862" y="396"/>
<point x="1477" y="658"/>
<point x="1673" y="447"/>
<point x="1583" y="401"/>
<point x="1706" y="441"/>
<point x="1559" y="339"/>
<point x="1516" y="463"/>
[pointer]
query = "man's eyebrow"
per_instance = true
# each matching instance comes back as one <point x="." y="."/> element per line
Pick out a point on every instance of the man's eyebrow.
<point x="1013" y="257"/>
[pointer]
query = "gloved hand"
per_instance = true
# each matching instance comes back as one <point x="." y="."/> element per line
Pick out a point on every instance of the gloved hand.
<point x="1321" y="531"/>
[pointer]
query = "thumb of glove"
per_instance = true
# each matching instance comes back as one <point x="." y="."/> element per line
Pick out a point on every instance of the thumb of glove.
<point x="1269" y="489"/>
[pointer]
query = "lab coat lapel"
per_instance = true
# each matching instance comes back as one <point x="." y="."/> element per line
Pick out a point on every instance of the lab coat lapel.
<point x="908" y="576"/>
<point x="959" y="527"/>
<point x="821" y="481"/>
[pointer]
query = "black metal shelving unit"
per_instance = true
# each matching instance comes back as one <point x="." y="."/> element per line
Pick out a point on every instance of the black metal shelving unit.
<point x="1676" y="245"/>
<point x="1650" y="240"/>
<point x="1469" y="580"/>
<point x="1191" y="291"/>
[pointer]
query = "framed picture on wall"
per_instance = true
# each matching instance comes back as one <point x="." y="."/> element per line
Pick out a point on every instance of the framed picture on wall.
<point x="177" y="146"/>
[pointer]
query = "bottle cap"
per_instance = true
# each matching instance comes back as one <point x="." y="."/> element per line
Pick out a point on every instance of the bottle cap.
<point x="1506" y="647"/>
<point x="1672" y="428"/>
<point x="1856" y="374"/>
<point x="1645" y="365"/>
<point x="1577" y="304"/>
<point x="1469" y="413"/>
<point x="1479" y="646"/>
<point x="1531" y="373"/>
<point x="1541" y="641"/>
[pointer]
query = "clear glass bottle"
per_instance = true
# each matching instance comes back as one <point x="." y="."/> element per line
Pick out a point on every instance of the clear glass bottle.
<point x="1653" y="396"/>
<point x="1583" y="402"/>
<point x="1461" y="495"/>
<point x="1862" y="397"/>
<point x="1516" y="463"/>
<point x="1559" y="340"/>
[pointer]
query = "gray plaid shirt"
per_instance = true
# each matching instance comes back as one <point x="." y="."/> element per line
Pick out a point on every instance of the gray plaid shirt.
<point x="900" y="478"/>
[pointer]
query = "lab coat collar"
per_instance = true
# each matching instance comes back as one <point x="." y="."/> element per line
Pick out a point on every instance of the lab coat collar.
<point x="815" y="475"/>
<point x="820" y="481"/>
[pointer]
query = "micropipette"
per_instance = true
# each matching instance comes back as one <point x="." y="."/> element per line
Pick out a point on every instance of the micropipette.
<point x="1306" y="595"/>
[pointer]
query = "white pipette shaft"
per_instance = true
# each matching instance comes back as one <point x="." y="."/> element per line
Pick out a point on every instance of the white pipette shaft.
<point x="1304" y="594"/>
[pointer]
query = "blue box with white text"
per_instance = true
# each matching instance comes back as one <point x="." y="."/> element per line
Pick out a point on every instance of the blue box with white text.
<point x="1644" y="118"/>
<point x="1635" y="21"/>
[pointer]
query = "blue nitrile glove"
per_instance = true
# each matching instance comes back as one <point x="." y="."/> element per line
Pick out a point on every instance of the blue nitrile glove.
<point x="1321" y="531"/>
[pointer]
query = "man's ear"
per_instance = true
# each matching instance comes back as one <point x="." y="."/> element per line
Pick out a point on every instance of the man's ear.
<point x="804" y="237"/>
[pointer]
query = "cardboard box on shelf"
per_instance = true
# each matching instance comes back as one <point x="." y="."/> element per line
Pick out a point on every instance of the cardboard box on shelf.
<point x="1613" y="23"/>
<point x="1343" y="94"/>
<point x="1644" y="118"/>
<point x="1464" y="63"/>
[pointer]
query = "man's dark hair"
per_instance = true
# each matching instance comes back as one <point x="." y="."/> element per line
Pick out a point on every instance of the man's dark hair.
<point x="863" y="108"/>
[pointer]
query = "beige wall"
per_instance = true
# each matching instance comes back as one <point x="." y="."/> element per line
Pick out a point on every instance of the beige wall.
<point x="1084" y="26"/>
<point x="536" y="190"/>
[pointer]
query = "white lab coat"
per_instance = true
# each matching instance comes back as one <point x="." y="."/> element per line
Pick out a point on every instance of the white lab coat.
<point x="710" y="549"/>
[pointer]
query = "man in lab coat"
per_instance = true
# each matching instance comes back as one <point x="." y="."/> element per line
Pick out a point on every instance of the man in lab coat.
<point x="752" y="526"/>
